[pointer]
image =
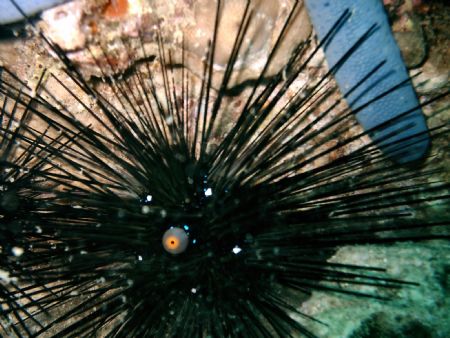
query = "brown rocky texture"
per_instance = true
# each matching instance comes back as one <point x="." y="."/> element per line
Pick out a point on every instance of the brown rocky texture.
<point x="114" y="38"/>
<point x="181" y="24"/>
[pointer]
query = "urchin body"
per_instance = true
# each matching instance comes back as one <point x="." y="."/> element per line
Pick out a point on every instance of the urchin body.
<point x="148" y="230"/>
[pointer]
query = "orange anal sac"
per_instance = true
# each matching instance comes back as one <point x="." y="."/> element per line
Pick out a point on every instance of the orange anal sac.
<point x="172" y="242"/>
<point x="175" y="240"/>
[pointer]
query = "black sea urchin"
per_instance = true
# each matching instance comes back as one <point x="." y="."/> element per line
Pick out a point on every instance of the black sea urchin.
<point x="23" y="152"/>
<point x="163" y="218"/>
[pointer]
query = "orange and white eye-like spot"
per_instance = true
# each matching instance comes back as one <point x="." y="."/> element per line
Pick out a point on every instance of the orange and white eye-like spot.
<point x="175" y="241"/>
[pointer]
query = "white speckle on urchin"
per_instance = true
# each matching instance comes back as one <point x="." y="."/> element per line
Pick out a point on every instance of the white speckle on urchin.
<point x="17" y="251"/>
<point x="236" y="250"/>
<point x="169" y="120"/>
<point x="194" y="290"/>
<point x="208" y="192"/>
<point x="4" y="276"/>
